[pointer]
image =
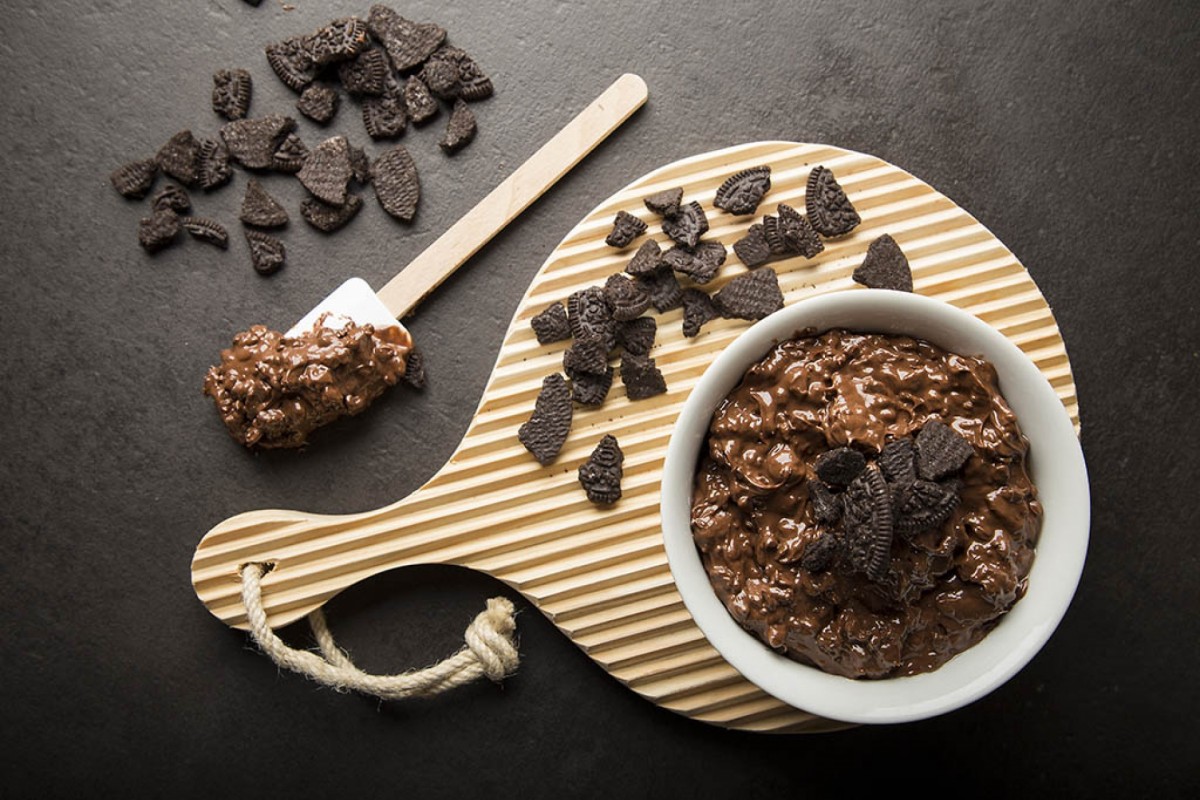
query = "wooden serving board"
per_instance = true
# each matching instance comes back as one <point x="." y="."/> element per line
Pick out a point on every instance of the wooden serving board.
<point x="601" y="574"/>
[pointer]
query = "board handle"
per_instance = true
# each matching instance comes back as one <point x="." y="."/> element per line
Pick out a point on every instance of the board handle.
<point x="518" y="191"/>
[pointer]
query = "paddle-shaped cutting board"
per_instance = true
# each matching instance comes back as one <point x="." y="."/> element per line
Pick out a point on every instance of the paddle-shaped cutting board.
<point x="601" y="574"/>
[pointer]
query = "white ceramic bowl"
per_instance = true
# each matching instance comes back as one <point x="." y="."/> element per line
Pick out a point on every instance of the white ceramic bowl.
<point x="1056" y="466"/>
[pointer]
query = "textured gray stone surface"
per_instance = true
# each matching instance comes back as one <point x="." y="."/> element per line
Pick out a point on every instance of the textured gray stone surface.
<point x="1068" y="129"/>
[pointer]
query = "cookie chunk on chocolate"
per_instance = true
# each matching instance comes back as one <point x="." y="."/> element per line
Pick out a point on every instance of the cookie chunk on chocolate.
<point x="941" y="451"/>
<point x="868" y="522"/>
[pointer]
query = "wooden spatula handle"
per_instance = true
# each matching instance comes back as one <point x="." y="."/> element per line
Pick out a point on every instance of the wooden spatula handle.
<point x="543" y="169"/>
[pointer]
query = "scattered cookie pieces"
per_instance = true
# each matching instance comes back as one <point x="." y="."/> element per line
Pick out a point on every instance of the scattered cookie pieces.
<point x="751" y="295"/>
<point x="941" y="451"/>
<point x="829" y="209"/>
<point x="460" y="130"/>
<point x="367" y="73"/>
<point x="753" y="249"/>
<point x="665" y="203"/>
<point x="172" y="197"/>
<point x="260" y="209"/>
<point x="601" y="474"/>
<point x="267" y="254"/>
<point x="687" y="225"/>
<point x="134" y="179"/>
<point x="328" y="218"/>
<point x="551" y="324"/>
<point x="698" y="309"/>
<point x="159" y="230"/>
<point x="180" y="158"/>
<point x="318" y="103"/>
<point x="327" y="171"/>
<point x="637" y="335"/>
<point x="626" y="228"/>
<point x="339" y="40"/>
<point x="417" y="99"/>
<point x="407" y="43"/>
<point x="206" y="230"/>
<point x="546" y="430"/>
<point x="840" y="466"/>
<point x="700" y="263"/>
<point x="394" y="176"/>
<point x="292" y="63"/>
<point x="589" y="314"/>
<point x="591" y="388"/>
<point x="790" y="233"/>
<point x="665" y="292"/>
<point x="641" y="377"/>
<point x="231" y="93"/>
<point x="885" y="267"/>
<point x="291" y="155"/>
<point x="742" y="192"/>
<point x="385" y="116"/>
<point x="647" y="259"/>
<point x="587" y="354"/>
<point x="627" y="299"/>
<point x="253" y="142"/>
<point x="215" y="170"/>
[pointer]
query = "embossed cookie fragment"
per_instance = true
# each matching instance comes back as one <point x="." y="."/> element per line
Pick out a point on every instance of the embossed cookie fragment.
<point x="941" y="451"/>
<point x="260" y="209"/>
<point x="868" y="524"/>
<point x="318" y="103"/>
<point x="885" y="267"/>
<point x="663" y="286"/>
<point x="414" y="368"/>
<point x="601" y="474"/>
<point x="408" y="43"/>
<point x="215" y="170"/>
<point x="588" y="313"/>
<point x="826" y="506"/>
<point x="180" y="158"/>
<point x="460" y="130"/>
<point x="641" y="377"/>
<point x="172" y="197"/>
<point x="821" y="553"/>
<point x="327" y="218"/>
<point x="158" y="230"/>
<point x="420" y="103"/>
<point x="923" y="505"/>
<point x="898" y="462"/>
<point x="587" y="353"/>
<point x="840" y="466"/>
<point x="290" y="155"/>
<point x="741" y="193"/>
<point x="385" y="116"/>
<point x="327" y="170"/>
<point x="206" y="230"/>
<point x="627" y="299"/>
<point x="753" y="249"/>
<point x="339" y="40"/>
<point x="687" y="225"/>
<point x="626" y="228"/>
<point x="751" y="295"/>
<point x="551" y="325"/>
<point x="253" y="142"/>
<point x="546" y="430"/>
<point x="366" y="73"/>
<point x="231" y="93"/>
<point x="292" y="62"/>
<point x="394" y="176"/>
<point x="790" y="233"/>
<point x="647" y="259"/>
<point x="829" y="210"/>
<point x="698" y="309"/>
<point x="637" y="335"/>
<point x="267" y="254"/>
<point x="665" y="203"/>
<point x="134" y="179"/>
<point x="590" y="388"/>
<point x="700" y="263"/>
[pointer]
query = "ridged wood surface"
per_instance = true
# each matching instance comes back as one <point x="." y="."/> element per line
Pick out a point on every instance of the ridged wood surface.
<point x="601" y="574"/>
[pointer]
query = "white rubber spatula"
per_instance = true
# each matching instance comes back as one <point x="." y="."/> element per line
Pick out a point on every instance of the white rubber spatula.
<point x="355" y="299"/>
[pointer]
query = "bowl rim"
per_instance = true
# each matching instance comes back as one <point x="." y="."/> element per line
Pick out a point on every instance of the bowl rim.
<point x="1056" y="465"/>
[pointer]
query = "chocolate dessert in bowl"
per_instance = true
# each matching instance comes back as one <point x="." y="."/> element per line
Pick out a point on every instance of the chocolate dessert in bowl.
<point x="875" y="506"/>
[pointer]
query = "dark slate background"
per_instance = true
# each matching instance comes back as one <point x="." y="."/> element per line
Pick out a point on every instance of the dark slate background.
<point x="1069" y="129"/>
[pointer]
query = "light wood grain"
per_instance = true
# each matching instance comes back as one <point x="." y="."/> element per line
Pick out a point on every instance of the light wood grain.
<point x="529" y="182"/>
<point x="601" y="574"/>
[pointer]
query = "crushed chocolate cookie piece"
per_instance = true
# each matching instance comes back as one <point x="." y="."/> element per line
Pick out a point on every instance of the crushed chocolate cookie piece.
<point x="588" y="313"/>
<point x="590" y="388"/>
<point x="180" y="158"/>
<point x="687" y="225"/>
<point x="791" y="234"/>
<point x="826" y="506"/>
<point x="292" y="63"/>
<point x="700" y="263"/>
<point x="260" y="209"/>
<point x="922" y="505"/>
<point x="546" y="430"/>
<point x="267" y="254"/>
<point x="551" y="324"/>
<point x="626" y="298"/>
<point x="647" y="259"/>
<point x="460" y="130"/>
<point x="441" y="76"/>
<point x="665" y="203"/>
<point x="394" y="176"/>
<point x="626" y="228"/>
<point x="172" y="197"/>
<point x="885" y="267"/>
<point x="253" y="142"/>
<point x="158" y="230"/>
<point x="820" y="553"/>
<point x="941" y="451"/>
<point x="641" y="377"/>
<point x="318" y="103"/>
<point x="868" y="524"/>
<point x="215" y="169"/>
<point x="366" y="73"/>
<point x="360" y="165"/>
<point x="840" y="466"/>
<point x="408" y="43"/>
<point x="339" y="40"/>
<point x="327" y="171"/>
<point x="473" y="84"/>
<point x="206" y="230"/>
<point x="291" y="155"/>
<point x="231" y="93"/>
<point x="741" y="193"/>
<point x="601" y="474"/>
<point x="829" y="210"/>
<point x="134" y="179"/>
<point x="898" y="462"/>
<point x="385" y="116"/>
<point x="751" y="295"/>
<point x="414" y="370"/>
<point x="588" y="353"/>
<point x="637" y="335"/>
<point x="327" y="218"/>
<point x="417" y="98"/>
<point x="753" y="249"/>
<point x="663" y="286"/>
<point x="698" y="309"/>
<point x="273" y="390"/>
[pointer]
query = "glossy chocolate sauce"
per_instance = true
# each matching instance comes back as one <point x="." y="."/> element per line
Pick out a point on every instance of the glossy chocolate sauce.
<point x="273" y="390"/>
<point x="751" y="517"/>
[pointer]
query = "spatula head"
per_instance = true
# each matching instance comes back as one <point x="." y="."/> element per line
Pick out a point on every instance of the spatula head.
<point x="355" y="300"/>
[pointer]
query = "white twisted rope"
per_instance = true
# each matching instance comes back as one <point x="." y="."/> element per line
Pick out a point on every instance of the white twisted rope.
<point x="490" y="651"/>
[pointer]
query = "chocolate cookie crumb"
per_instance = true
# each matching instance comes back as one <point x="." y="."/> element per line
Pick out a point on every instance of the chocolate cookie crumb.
<point x="158" y="230"/>
<point x="396" y="185"/>
<point x="627" y="299"/>
<point x="590" y="388"/>
<point x="687" y="225"/>
<point x="698" y="309"/>
<point x="134" y="179"/>
<point x="641" y="377"/>
<point x="829" y="209"/>
<point x="885" y="267"/>
<point x="267" y="254"/>
<point x="941" y="451"/>
<point x="742" y="192"/>
<point x="665" y="203"/>
<point x="546" y="431"/>
<point x="840" y="466"/>
<point x="753" y="249"/>
<point x="231" y="93"/>
<point x="551" y="324"/>
<point x="180" y="157"/>
<point x="647" y="258"/>
<point x="637" y="335"/>
<point x="327" y="218"/>
<point x="460" y="130"/>
<point x="601" y="474"/>
<point x="206" y="230"/>
<point x="318" y="103"/>
<point x="260" y="209"/>
<point x="626" y="228"/>
<point x="751" y="295"/>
